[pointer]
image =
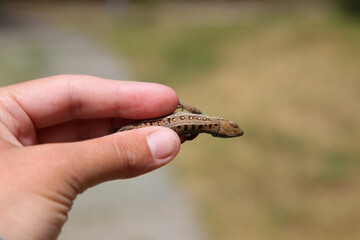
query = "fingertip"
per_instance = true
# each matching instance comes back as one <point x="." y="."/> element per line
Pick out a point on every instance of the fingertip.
<point x="164" y="144"/>
<point x="146" y="100"/>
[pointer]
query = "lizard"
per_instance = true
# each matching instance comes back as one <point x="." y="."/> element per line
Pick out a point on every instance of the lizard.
<point x="188" y="125"/>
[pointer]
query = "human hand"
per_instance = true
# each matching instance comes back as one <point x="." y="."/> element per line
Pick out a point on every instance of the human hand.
<point x="52" y="145"/>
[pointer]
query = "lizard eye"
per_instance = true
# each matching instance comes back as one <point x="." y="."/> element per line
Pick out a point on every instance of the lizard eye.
<point x="233" y="124"/>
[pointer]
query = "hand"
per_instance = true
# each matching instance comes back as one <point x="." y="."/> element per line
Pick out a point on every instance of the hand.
<point x="52" y="145"/>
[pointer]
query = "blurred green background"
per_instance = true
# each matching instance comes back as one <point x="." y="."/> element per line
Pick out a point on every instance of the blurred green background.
<point x="287" y="72"/>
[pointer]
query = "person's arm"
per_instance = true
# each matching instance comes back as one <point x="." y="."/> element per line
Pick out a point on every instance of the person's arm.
<point x="54" y="144"/>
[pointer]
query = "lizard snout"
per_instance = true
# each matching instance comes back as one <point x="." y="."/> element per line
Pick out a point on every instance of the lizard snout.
<point x="238" y="131"/>
<point x="229" y="129"/>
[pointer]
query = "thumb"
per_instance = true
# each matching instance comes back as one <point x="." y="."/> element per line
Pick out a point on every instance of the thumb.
<point x="31" y="176"/>
<point x="121" y="155"/>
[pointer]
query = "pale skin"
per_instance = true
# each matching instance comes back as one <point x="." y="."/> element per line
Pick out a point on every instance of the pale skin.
<point x="55" y="143"/>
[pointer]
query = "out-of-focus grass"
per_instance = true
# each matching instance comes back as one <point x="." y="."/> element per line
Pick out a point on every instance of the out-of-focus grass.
<point x="291" y="80"/>
<point x="161" y="52"/>
<point x="20" y="60"/>
<point x="293" y="85"/>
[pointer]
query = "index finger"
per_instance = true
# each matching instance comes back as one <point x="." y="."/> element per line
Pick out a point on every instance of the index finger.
<point x="52" y="100"/>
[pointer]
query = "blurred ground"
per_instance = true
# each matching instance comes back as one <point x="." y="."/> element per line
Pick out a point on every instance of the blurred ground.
<point x="287" y="73"/>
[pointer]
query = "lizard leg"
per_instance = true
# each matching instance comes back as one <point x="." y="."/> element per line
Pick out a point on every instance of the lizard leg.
<point x="187" y="137"/>
<point x="190" y="137"/>
<point x="182" y="139"/>
<point x="188" y="108"/>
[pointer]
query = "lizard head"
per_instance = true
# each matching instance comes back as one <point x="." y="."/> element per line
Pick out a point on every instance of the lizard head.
<point x="228" y="129"/>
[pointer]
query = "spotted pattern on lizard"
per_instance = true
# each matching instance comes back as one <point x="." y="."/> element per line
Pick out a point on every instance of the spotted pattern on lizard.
<point x="188" y="125"/>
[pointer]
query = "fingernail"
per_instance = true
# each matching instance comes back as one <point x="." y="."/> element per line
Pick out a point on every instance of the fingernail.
<point x="163" y="144"/>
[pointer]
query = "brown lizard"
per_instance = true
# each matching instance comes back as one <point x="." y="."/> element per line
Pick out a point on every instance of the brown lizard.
<point x="188" y="125"/>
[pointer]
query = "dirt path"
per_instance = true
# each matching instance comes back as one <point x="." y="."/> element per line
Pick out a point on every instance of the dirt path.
<point x="147" y="207"/>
